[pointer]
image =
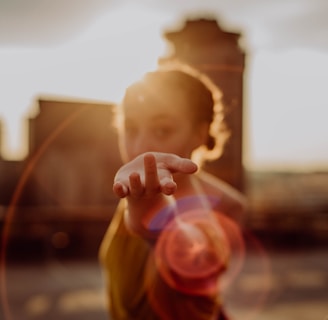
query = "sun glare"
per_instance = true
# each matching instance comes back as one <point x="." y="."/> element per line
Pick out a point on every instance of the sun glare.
<point x="285" y="116"/>
<point x="97" y="65"/>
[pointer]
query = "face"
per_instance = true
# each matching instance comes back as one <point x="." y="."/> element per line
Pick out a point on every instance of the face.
<point x="159" y="128"/>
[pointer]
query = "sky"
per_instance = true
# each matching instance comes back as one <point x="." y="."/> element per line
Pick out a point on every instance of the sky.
<point x="92" y="49"/>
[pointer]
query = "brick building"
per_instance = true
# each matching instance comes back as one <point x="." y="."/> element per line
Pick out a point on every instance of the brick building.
<point x="59" y="198"/>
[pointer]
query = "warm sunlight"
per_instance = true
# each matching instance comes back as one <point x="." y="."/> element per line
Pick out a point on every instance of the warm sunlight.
<point x="285" y="100"/>
<point x="97" y="65"/>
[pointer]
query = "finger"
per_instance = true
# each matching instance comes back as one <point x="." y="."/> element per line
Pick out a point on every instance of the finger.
<point x="183" y="165"/>
<point x="151" y="176"/>
<point x="120" y="190"/>
<point x="136" y="187"/>
<point x="175" y="163"/>
<point x="168" y="186"/>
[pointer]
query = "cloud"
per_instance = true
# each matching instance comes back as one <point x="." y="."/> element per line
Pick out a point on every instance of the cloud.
<point x="270" y="23"/>
<point x="46" y="22"/>
<point x="301" y="24"/>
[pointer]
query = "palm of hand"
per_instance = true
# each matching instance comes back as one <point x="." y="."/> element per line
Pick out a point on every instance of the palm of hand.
<point x="150" y="174"/>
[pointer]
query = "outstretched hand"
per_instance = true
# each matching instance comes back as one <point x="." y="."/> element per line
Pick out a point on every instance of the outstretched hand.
<point x="150" y="174"/>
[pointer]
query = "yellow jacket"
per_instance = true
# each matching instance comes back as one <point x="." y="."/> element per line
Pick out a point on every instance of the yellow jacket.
<point x="135" y="289"/>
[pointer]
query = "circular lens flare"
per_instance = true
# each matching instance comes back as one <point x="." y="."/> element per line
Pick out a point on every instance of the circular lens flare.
<point x="192" y="252"/>
<point x="200" y="253"/>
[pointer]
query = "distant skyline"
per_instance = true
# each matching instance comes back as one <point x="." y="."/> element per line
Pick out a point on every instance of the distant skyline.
<point x="285" y="102"/>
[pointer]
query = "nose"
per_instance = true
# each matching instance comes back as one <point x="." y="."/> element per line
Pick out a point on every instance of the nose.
<point x="141" y="143"/>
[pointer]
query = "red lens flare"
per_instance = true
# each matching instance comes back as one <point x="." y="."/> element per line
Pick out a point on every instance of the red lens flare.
<point x="192" y="252"/>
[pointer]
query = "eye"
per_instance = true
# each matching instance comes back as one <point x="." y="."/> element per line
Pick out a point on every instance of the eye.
<point x="162" y="131"/>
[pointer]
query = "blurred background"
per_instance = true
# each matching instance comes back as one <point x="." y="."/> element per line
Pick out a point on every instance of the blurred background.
<point x="64" y="65"/>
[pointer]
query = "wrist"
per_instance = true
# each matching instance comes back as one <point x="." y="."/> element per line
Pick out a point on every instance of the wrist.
<point x="137" y="227"/>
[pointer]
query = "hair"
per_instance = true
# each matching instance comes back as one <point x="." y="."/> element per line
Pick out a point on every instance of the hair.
<point x="174" y="79"/>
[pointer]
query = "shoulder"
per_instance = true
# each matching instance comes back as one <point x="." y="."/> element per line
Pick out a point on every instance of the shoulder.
<point x="232" y="201"/>
<point x="213" y="184"/>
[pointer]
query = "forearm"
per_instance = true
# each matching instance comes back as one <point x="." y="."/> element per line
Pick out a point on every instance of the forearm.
<point x="139" y="212"/>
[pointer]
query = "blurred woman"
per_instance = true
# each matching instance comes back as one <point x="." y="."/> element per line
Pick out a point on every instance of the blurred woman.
<point x="169" y="123"/>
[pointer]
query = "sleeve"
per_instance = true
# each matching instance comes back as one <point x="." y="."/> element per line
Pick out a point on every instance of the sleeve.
<point x="123" y="258"/>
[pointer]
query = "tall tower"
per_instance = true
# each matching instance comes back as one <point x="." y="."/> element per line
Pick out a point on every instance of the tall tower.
<point x="202" y="44"/>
